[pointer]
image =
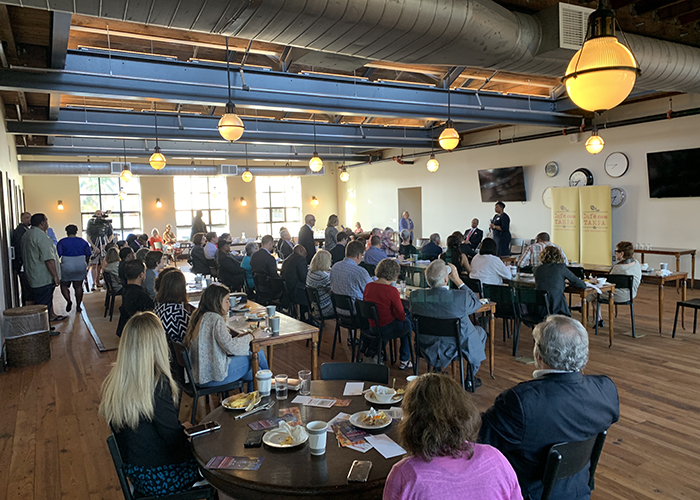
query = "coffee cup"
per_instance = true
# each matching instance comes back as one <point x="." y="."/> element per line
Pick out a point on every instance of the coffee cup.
<point x="264" y="379"/>
<point x="663" y="266"/>
<point x="271" y="310"/>
<point x="232" y="300"/>
<point x="645" y="266"/>
<point x="411" y="378"/>
<point x="317" y="436"/>
<point x="275" y="324"/>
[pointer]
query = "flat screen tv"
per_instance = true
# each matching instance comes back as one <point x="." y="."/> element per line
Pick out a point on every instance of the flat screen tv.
<point x="674" y="174"/>
<point x="502" y="184"/>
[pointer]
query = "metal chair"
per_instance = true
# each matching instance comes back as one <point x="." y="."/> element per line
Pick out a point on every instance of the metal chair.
<point x="450" y="327"/>
<point x="517" y="245"/>
<point x="188" y="385"/>
<point x="201" y="492"/>
<point x="621" y="282"/>
<point x="368" y="312"/>
<point x="366" y="372"/>
<point x="315" y="302"/>
<point x="346" y="317"/>
<point x="110" y="296"/>
<point x="369" y="267"/>
<point x="474" y="285"/>
<point x="568" y="459"/>
<point x="533" y="307"/>
<point x="270" y="290"/>
<point x="579" y="272"/>
<point x="504" y="297"/>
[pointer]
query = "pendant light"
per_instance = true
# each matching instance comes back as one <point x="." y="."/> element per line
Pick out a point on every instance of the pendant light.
<point x="449" y="138"/>
<point x="315" y="163"/>
<point x="344" y="175"/>
<point x="602" y="73"/>
<point x="595" y="142"/>
<point x="247" y="176"/>
<point x="230" y="125"/>
<point x="126" y="174"/>
<point x="157" y="159"/>
<point x="122" y="195"/>
<point x="432" y="164"/>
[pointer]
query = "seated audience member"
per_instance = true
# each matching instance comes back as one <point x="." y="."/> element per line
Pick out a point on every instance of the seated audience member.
<point x="168" y="236"/>
<point x="285" y="246"/>
<point x="197" y="259"/>
<point x="141" y="254"/>
<point x="393" y="320"/>
<point x="319" y="277"/>
<point x="125" y="255"/>
<point x="347" y="277"/>
<point x="453" y="255"/>
<point x="112" y="268"/>
<point x="155" y="238"/>
<point x="432" y="249"/>
<point x="142" y="240"/>
<point x="217" y="357"/>
<point x="473" y="235"/>
<point x="154" y="264"/>
<point x="464" y="247"/>
<point x="140" y="404"/>
<point x="171" y="304"/>
<point x="531" y="255"/>
<point x="338" y="252"/>
<point x="406" y="248"/>
<point x="487" y="266"/>
<point x="231" y="273"/>
<point x="262" y="261"/>
<point x="374" y="254"/>
<point x="250" y="248"/>
<point x="135" y="298"/>
<point x="210" y="246"/>
<point x="331" y="232"/>
<point x="294" y="270"/>
<point x="159" y="279"/>
<point x="121" y="244"/>
<point x="388" y="246"/>
<point x="628" y="266"/>
<point x="226" y="237"/>
<point x="358" y="228"/>
<point x="374" y="232"/>
<point x="560" y="404"/>
<point x="551" y="276"/>
<point x="440" y="302"/>
<point x="132" y="242"/>
<point x="444" y="460"/>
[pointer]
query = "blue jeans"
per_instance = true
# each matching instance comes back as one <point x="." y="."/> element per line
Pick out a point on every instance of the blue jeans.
<point x="239" y="368"/>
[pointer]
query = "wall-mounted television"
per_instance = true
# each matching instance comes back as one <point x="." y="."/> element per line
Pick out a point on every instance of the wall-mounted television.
<point x="502" y="184"/>
<point x="674" y="174"/>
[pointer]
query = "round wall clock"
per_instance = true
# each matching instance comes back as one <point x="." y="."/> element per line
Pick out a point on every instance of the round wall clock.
<point x="616" y="164"/>
<point x="617" y="196"/>
<point x="547" y="197"/>
<point x="551" y="169"/>
<point x="581" y="177"/>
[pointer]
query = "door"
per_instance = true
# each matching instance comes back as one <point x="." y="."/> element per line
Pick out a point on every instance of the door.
<point x="410" y="201"/>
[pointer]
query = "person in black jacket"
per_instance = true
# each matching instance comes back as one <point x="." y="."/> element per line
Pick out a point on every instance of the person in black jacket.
<point x="473" y="235"/>
<point x="135" y="298"/>
<point x="231" y="273"/>
<point x="198" y="225"/>
<point x="17" y="263"/>
<point x="139" y="402"/>
<point x="125" y="255"/>
<point x="338" y="252"/>
<point x="294" y="270"/>
<point x="306" y="237"/>
<point x="285" y="247"/>
<point x="551" y="276"/>
<point x="262" y="261"/>
<point x="198" y="261"/>
<point x="559" y="405"/>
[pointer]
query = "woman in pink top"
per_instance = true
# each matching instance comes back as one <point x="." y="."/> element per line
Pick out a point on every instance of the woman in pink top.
<point x="439" y="431"/>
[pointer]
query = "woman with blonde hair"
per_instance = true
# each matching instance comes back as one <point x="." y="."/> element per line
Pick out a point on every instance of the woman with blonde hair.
<point x="217" y="357"/>
<point x="551" y="276"/>
<point x="444" y="461"/>
<point x="319" y="277"/>
<point x="139" y="402"/>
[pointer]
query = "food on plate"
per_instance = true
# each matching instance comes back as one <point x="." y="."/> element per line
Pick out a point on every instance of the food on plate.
<point x="287" y="441"/>
<point x="240" y="401"/>
<point x="374" y="418"/>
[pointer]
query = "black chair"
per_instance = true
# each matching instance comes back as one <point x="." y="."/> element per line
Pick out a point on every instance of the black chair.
<point x="568" y="459"/>
<point x="621" y="282"/>
<point x="346" y="316"/>
<point x="202" y="492"/>
<point x="188" y="385"/>
<point x="368" y="311"/>
<point x="474" y="285"/>
<point x="270" y="290"/>
<point x="110" y="296"/>
<point x="370" y="268"/>
<point x="451" y="327"/>
<point x="504" y="297"/>
<point x="527" y="269"/>
<point x="314" y="299"/>
<point x="692" y="304"/>
<point x="580" y="273"/>
<point x="533" y="307"/>
<point x="517" y="245"/>
<point x="366" y="372"/>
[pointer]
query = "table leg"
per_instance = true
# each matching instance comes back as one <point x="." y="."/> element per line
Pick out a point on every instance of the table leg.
<point x="256" y="367"/>
<point x="314" y="356"/>
<point x="270" y="352"/>
<point x="678" y="263"/>
<point x="492" y="337"/>
<point x="611" y="316"/>
<point x="642" y="257"/>
<point x="661" y="305"/>
<point x="584" y="308"/>
<point x="692" y="271"/>
<point x="683" y="294"/>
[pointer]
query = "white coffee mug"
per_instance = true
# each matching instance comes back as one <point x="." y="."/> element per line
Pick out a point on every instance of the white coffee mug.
<point x="663" y="266"/>
<point x="317" y="436"/>
<point x="264" y="378"/>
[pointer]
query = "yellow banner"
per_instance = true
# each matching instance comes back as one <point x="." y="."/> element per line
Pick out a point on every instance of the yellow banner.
<point x="565" y="221"/>
<point x="596" y="222"/>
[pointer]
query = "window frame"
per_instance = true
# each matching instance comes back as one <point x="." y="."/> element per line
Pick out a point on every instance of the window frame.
<point x="122" y="231"/>
<point x="207" y="212"/>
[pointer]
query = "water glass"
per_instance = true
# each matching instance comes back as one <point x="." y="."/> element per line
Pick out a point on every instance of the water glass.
<point x="281" y="386"/>
<point x="305" y="382"/>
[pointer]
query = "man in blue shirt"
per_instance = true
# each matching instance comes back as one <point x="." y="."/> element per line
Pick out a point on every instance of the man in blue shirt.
<point x="374" y="254"/>
<point x="347" y="277"/>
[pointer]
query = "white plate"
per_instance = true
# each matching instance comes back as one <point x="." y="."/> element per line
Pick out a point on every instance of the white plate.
<point x="276" y="439"/>
<point x="356" y="420"/>
<point x="238" y="396"/>
<point x="369" y="396"/>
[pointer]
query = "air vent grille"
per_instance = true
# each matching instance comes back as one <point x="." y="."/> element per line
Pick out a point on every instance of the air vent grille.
<point x="116" y="167"/>
<point x="573" y="21"/>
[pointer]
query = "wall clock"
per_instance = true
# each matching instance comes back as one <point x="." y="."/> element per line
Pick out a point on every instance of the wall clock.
<point x="581" y="177"/>
<point x="617" y="196"/>
<point x="551" y="169"/>
<point x="616" y="164"/>
<point x="547" y="197"/>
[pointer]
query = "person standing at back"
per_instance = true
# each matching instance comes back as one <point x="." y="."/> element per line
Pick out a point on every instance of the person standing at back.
<point x="17" y="262"/>
<point x="406" y="223"/>
<point x="331" y="233"/>
<point x="306" y="236"/>
<point x="75" y="253"/>
<point x="198" y="225"/>
<point x="135" y="298"/>
<point x="500" y="225"/>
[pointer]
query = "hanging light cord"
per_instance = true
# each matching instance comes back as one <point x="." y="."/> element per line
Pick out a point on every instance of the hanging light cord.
<point x="314" y="132"/>
<point x="228" y="72"/>
<point x="449" y="115"/>
<point x="246" y="156"/>
<point x="155" y="114"/>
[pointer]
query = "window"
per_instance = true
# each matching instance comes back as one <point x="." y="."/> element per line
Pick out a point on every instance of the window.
<point x="278" y="204"/>
<point x="208" y="194"/>
<point x="101" y="193"/>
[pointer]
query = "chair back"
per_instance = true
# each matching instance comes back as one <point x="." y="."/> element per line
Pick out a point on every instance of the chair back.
<point x="366" y="372"/>
<point x="108" y="282"/>
<point x="579" y="272"/>
<point x="368" y="311"/>
<point x="182" y="356"/>
<point x="527" y="269"/>
<point x="567" y="459"/>
<point x="504" y="297"/>
<point x="157" y="245"/>
<point x="516" y="246"/>
<point x="119" y="466"/>
<point x="370" y="268"/>
<point x="474" y="285"/>
<point x="315" y="302"/>
<point x="344" y="304"/>
<point x="533" y="305"/>
<point x="263" y="288"/>
<point x="621" y="281"/>
<point x="434" y="327"/>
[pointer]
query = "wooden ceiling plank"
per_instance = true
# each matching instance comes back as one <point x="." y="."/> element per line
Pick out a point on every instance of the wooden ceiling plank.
<point x="6" y="34"/>
<point x="689" y="18"/>
<point x="646" y="6"/>
<point x="678" y="9"/>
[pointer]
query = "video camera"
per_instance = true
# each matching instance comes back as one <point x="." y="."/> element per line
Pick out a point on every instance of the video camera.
<point x="99" y="226"/>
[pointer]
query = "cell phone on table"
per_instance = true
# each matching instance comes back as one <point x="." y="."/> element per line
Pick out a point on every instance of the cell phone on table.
<point x="254" y="439"/>
<point x="203" y="428"/>
<point x="359" y="471"/>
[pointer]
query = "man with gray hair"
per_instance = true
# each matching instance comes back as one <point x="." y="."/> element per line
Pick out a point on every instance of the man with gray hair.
<point x="306" y="236"/>
<point x="442" y="303"/>
<point x="432" y="249"/>
<point x="559" y="405"/>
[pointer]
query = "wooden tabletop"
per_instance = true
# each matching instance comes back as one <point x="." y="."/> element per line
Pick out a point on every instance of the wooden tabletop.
<point x="294" y="473"/>
<point x="667" y="251"/>
<point x="289" y="327"/>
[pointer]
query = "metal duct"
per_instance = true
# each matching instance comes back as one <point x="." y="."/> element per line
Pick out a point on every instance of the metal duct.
<point x="82" y="168"/>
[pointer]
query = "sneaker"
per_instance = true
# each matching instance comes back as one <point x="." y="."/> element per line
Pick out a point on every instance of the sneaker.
<point x="601" y="323"/>
<point x="405" y="365"/>
<point x="54" y="333"/>
<point x="69" y="306"/>
<point x="477" y="383"/>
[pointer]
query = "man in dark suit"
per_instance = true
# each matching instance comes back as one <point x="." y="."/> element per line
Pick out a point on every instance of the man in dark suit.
<point x="474" y="235"/>
<point x="231" y="273"/>
<point x="285" y="247"/>
<point x="560" y="404"/>
<point x="294" y="270"/>
<point x="432" y="249"/>
<point x="306" y="237"/>
<point x="338" y="251"/>
<point x="262" y="261"/>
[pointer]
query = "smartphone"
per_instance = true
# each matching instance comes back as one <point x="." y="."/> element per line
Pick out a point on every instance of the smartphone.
<point x="203" y="428"/>
<point x="254" y="439"/>
<point x="359" y="471"/>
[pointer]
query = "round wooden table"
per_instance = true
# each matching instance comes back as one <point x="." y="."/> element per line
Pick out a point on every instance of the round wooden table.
<point x="293" y="473"/>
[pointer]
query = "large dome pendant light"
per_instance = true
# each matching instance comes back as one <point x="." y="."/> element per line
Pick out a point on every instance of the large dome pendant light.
<point x="602" y="73"/>
<point x="315" y="163"/>
<point x="230" y="125"/>
<point x="247" y="176"/>
<point x="157" y="159"/>
<point x="449" y="138"/>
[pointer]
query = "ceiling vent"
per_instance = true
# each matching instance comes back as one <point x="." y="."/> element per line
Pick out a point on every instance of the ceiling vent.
<point x="563" y="30"/>
<point x="228" y="169"/>
<point x="116" y="167"/>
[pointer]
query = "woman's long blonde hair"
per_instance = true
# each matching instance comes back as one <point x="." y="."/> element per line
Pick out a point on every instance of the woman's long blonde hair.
<point x="128" y="392"/>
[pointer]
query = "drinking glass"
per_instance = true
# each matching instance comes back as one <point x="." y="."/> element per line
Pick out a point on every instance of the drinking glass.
<point x="305" y="382"/>
<point x="281" y="387"/>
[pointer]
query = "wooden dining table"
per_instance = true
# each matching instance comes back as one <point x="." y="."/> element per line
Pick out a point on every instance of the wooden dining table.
<point x="675" y="252"/>
<point x="294" y="473"/>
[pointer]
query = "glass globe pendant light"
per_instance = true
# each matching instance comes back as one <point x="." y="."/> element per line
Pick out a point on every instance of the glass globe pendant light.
<point x="126" y="174"/>
<point x="344" y="175"/>
<point x="315" y="163"/>
<point x="247" y="176"/>
<point x="432" y="164"/>
<point x="449" y="138"/>
<point x="157" y="159"/>
<point x="230" y="125"/>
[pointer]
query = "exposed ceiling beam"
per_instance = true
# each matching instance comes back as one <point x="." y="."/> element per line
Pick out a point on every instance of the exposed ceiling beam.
<point x="689" y="18"/>
<point x="6" y="34"/>
<point x="676" y="10"/>
<point x="205" y="84"/>
<point x="451" y="75"/>
<point x="60" y="31"/>
<point x="646" y="6"/>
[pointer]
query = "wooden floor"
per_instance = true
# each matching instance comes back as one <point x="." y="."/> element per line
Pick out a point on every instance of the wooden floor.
<point x="52" y="442"/>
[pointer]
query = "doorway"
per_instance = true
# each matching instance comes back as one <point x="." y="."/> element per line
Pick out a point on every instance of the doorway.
<point x="410" y="201"/>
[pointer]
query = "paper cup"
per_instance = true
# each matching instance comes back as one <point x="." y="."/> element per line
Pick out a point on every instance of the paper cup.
<point x="264" y="378"/>
<point x="411" y="378"/>
<point x="317" y="436"/>
<point x="275" y="324"/>
<point x="271" y="310"/>
<point x="663" y="266"/>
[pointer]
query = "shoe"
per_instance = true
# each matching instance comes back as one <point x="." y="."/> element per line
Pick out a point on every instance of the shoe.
<point x="54" y="333"/>
<point x="477" y="383"/>
<point x="405" y="365"/>
<point x="94" y="288"/>
<point x="69" y="306"/>
<point x="79" y="309"/>
<point x="58" y="318"/>
<point x="601" y="323"/>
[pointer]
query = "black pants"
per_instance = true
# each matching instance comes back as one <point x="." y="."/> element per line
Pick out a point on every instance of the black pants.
<point x="44" y="296"/>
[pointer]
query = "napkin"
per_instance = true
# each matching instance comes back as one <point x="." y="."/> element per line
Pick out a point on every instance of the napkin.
<point x="591" y="285"/>
<point x="380" y="389"/>
<point x="662" y="272"/>
<point x="297" y="432"/>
